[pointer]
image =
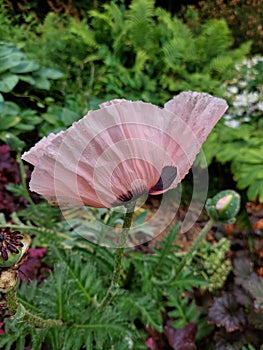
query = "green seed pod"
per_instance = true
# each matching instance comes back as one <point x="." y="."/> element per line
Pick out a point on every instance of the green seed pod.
<point x="224" y="206"/>
<point x="13" y="247"/>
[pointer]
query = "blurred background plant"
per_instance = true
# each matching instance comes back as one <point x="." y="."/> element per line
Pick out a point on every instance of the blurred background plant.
<point x="237" y="140"/>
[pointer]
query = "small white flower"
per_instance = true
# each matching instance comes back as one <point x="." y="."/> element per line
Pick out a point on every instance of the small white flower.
<point x="234" y="124"/>
<point x="260" y="106"/>
<point x="252" y="97"/>
<point x="242" y="83"/>
<point x="233" y="89"/>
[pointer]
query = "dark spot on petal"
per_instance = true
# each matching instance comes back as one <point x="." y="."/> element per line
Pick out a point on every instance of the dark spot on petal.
<point x="125" y="197"/>
<point x="166" y="179"/>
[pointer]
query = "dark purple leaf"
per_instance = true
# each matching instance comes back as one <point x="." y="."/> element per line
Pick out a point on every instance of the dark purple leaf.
<point x="37" y="252"/>
<point x="243" y="297"/>
<point x="242" y="269"/>
<point x="183" y="338"/>
<point x="233" y="341"/>
<point x="256" y="318"/>
<point x="9" y="174"/>
<point x="225" y="312"/>
<point x="30" y="269"/>
<point x="254" y="285"/>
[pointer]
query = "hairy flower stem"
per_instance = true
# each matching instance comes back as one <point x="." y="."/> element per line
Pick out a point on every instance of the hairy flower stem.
<point x="21" y="314"/>
<point x="190" y="254"/>
<point x="119" y="254"/>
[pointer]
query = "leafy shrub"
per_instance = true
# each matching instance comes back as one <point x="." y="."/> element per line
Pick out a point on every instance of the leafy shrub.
<point x="140" y="52"/>
<point x="239" y="139"/>
<point x="71" y="293"/>
<point x="20" y="81"/>
<point x="244" y="18"/>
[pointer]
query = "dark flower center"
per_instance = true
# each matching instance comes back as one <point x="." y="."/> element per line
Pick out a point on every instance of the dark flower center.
<point x="167" y="177"/>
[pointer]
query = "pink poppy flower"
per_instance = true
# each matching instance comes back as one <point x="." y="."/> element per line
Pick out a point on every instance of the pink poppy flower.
<point x="123" y="150"/>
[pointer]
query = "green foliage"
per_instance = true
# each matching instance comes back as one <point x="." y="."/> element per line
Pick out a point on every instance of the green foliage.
<point x="242" y="147"/>
<point x="184" y="311"/>
<point x="80" y="275"/>
<point x="20" y="79"/>
<point x="241" y="16"/>
<point x="212" y="261"/>
<point x="140" y="52"/>
<point x="67" y="295"/>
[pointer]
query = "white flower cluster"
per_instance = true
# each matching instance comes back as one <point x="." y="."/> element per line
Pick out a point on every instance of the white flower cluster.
<point x="245" y="93"/>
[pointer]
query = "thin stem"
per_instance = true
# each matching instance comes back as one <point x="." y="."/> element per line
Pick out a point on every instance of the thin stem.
<point x="20" y="313"/>
<point x="189" y="255"/>
<point x="119" y="254"/>
<point x="23" y="179"/>
<point x="187" y="258"/>
<point x="37" y="229"/>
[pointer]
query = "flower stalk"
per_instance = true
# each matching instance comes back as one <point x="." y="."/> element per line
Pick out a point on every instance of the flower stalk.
<point x="119" y="253"/>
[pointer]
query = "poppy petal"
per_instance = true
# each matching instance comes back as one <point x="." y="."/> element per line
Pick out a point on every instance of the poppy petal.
<point x="165" y="181"/>
<point x="123" y="149"/>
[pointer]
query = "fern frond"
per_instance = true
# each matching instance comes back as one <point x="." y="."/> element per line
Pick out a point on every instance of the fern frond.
<point x="140" y="23"/>
<point x="82" y="30"/>
<point x="214" y="38"/>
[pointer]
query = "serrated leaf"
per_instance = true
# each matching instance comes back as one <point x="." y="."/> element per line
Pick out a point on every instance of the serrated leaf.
<point x="242" y="268"/>
<point x="255" y="286"/>
<point x="256" y="318"/>
<point x="183" y="338"/>
<point x="225" y="312"/>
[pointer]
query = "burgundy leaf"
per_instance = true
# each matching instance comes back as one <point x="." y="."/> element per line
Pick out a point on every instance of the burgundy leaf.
<point x="37" y="252"/>
<point x="234" y="340"/>
<point x="30" y="269"/>
<point x="9" y="174"/>
<point x="242" y="269"/>
<point x="225" y="312"/>
<point x="254" y="285"/>
<point x="242" y="296"/>
<point x="256" y="318"/>
<point x="183" y="338"/>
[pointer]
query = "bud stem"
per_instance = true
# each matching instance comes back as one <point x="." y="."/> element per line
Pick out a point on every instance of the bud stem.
<point x="191" y="252"/>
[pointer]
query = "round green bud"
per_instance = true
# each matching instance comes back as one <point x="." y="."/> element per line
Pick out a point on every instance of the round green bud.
<point x="224" y="206"/>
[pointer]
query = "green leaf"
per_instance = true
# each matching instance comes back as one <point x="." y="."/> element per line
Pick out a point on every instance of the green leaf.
<point x="6" y="122"/>
<point x="41" y="82"/>
<point x="25" y="67"/>
<point x="14" y="142"/>
<point x="50" y="73"/>
<point x="8" y="82"/>
<point x="7" y="63"/>
<point x="188" y="280"/>
<point x="68" y="116"/>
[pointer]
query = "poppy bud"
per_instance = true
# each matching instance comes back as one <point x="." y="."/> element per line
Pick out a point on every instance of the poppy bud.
<point x="224" y="206"/>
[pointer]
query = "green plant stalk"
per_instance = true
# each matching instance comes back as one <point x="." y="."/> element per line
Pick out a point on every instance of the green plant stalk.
<point x="21" y="314"/>
<point x="23" y="178"/>
<point x="119" y="254"/>
<point x="191" y="252"/>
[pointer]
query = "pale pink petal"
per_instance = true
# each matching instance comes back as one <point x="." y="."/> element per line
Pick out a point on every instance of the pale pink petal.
<point x="200" y="111"/>
<point x="33" y="155"/>
<point x="111" y="102"/>
<point x="120" y="151"/>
